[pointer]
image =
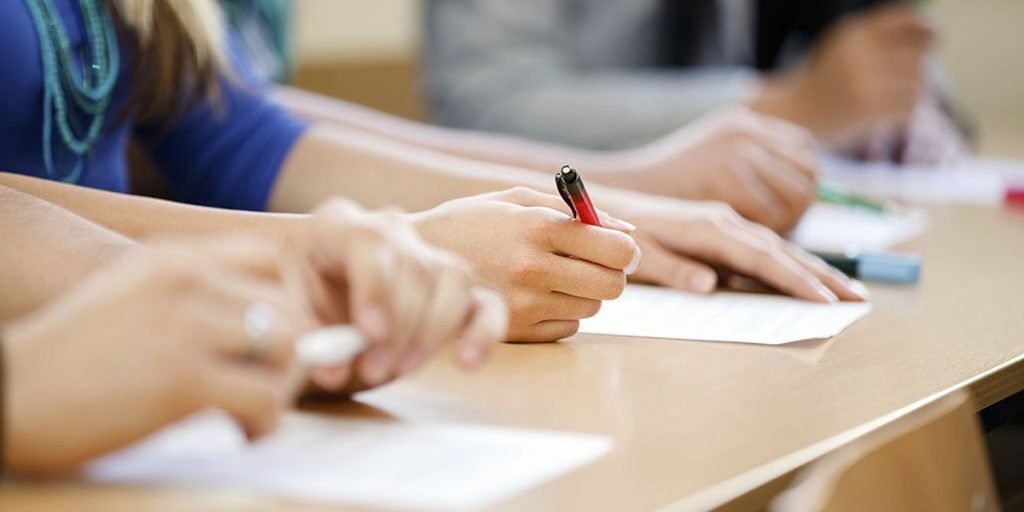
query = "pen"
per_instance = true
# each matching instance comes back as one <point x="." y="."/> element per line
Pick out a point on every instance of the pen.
<point x="570" y="187"/>
<point x="897" y="268"/>
<point x="330" y="346"/>
<point x="832" y="195"/>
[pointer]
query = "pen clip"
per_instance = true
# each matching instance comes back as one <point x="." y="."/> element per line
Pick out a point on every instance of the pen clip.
<point x="564" y="192"/>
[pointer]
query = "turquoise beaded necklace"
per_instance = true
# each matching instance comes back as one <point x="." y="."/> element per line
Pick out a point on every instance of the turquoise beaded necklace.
<point x="71" y="96"/>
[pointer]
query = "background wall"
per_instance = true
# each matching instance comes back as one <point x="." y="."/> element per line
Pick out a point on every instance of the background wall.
<point x="366" y="51"/>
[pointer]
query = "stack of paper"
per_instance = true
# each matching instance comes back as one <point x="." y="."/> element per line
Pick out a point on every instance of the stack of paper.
<point x="652" y="312"/>
<point x="977" y="182"/>
<point x="840" y="229"/>
<point x="356" y="462"/>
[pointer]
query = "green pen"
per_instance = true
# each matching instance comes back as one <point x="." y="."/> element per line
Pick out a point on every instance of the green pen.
<point x="832" y="195"/>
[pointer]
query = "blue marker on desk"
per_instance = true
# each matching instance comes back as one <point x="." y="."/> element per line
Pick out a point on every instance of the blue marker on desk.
<point x="896" y="268"/>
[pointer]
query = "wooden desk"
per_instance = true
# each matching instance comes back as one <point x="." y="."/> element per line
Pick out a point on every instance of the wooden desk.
<point x="697" y="425"/>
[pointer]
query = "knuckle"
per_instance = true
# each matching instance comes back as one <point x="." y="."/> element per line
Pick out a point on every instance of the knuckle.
<point x="520" y="193"/>
<point x="528" y="272"/>
<point x="172" y="271"/>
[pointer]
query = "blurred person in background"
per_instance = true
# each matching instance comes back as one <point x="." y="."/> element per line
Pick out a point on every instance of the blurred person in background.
<point x="858" y="74"/>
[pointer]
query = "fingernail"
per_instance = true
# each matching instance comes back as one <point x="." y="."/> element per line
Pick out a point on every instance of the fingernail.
<point x="634" y="263"/>
<point x="860" y="289"/>
<point x="703" y="282"/>
<point x="618" y="224"/>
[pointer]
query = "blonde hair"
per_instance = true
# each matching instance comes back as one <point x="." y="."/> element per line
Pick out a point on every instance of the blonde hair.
<point x="178" y="53"/>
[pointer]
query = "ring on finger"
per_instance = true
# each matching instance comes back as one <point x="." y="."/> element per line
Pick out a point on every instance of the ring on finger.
<point x="257" y="321"/>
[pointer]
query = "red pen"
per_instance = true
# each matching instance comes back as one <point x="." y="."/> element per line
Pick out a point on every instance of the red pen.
<point x="570" y="187"/>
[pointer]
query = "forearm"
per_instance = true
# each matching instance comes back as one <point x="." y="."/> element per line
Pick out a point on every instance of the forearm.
<point x="47" y="249"/>
<point x="476" y="145"/>
<point x="142" y="217"/>
<point x="3" y="409"/>
<point x="379" y="171"/>
<point x="616" y="109"/>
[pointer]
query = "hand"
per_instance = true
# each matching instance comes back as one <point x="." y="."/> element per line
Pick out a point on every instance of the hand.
<point x="685" y="243"/>
<point x="933" y="139"/>
<point x="146" y="341"/>
<point x="868" y="70"/>
<point x="552" y="270"/>
<point x="762" y="166"/>
<point x="407" y="298"/>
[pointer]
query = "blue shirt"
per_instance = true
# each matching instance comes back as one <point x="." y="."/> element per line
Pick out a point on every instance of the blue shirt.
<point x="226" y="155"/>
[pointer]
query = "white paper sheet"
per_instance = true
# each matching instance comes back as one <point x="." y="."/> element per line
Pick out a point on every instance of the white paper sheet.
<point x="383" y="464"/>
<point x="979" y="181"/>
<point x="843" y="229"/>
<point x="653" y="312"/>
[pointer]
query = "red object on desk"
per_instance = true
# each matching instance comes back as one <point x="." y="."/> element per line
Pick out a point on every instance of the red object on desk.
<point x="1014" y="195"/>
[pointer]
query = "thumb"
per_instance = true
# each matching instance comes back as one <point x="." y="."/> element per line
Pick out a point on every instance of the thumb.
<point x="666" y="268"/>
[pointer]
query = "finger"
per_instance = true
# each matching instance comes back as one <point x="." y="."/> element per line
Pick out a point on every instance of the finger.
<point x="230" y="303"/>
<point x="528" y="197"/>
<point x="797" y="148"/>
<point x="374" y="365"/>
<point x="410" y="303"/>
<point x="738" y="246"/>
<point x="254" y="396"/>
<point x="605" y="247"/>
<point x="845" y="288"/>
<point x="754" y="200"/>
<point x="255" y="256"/>
<point x="559" y="306"/>
<point x="666" y="268"/>
<point x="580" y="278"/>
<point x="448" y="311"/>
<point x="784" y="180"/>
<point x="488" y="325"/>
<point x="788" y="140"/>
<point x="370" y="282"/>
<point x="332" y="379"/>
<point x="550" y="330"/>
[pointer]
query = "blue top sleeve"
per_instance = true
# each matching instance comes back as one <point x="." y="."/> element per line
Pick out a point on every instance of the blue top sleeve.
<point x="226" y="154"/>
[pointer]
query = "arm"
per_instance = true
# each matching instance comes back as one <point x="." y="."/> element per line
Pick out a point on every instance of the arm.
<point x="3" y="408"/>
<point x="477" y="145"/>
<point x="138" y="217"/>
<point x="516" y="67"/>
<point x="55" y="249"/>
<point x="379" y="172"/>
<point x="762" y="167"/>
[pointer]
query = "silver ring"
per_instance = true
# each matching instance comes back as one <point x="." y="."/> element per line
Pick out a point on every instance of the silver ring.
<point x="257" y="322"/>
